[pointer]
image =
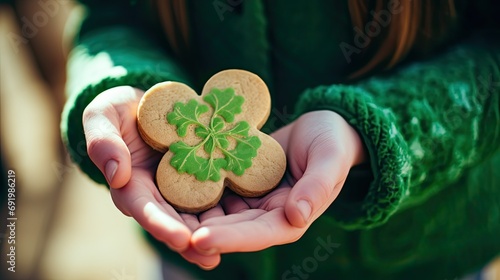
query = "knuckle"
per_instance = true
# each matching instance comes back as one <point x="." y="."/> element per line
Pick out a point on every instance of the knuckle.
<point x="98" y="107"/>
<point x="89" y="112"/>
<point x="95" y="109"/>
<point x="326" y="143"/>
<point x="324" y="189"/>
<point x="94" y="145"/>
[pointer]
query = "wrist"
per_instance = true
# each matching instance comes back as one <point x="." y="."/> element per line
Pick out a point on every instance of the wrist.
<point x="360" y="153"/>
<point x="355" y="146"/>
<point x="349" y="142"/>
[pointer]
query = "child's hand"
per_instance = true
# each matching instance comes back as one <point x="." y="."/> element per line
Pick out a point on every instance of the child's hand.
<point x="129" y="164"/>
<point x="321" y="147"/>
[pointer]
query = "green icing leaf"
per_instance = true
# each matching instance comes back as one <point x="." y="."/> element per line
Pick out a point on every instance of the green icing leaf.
<point x="210" y="145"/>
<point x="217" y="124"/>
<point x="186" y="159"/>
<point x="185" y="115"/>
<point x="211" y="169"/>
<point x="239" y="130"/>
<point x="221" y="141"/>
<point x="225" y="103"/>
<point x="202" y="132"/>
<point x="240" y="158"/>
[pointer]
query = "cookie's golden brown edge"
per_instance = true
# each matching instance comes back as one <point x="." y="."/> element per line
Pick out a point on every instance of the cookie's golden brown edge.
<point x="257" y="106"/>
<point x="152" y="113"/>
<point x="198" y="196"/>
<point x="266" y="172"/>
<point x="183" y="191"/>
<point x="271" y="159"/>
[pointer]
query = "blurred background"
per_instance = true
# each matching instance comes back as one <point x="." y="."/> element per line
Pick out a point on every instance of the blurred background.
<point x="67" y="226"/>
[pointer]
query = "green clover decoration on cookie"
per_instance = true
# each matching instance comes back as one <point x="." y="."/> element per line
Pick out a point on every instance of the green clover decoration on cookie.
<point x="211" y="141"/>
<point x="215" y="136"/>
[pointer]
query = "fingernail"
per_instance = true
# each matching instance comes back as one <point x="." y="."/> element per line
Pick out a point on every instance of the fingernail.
<point x="305" y="209"/>
<point x="110" y="169"/>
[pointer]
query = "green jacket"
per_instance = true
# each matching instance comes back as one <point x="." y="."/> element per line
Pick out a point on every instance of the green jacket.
<point x="428" y="203"/>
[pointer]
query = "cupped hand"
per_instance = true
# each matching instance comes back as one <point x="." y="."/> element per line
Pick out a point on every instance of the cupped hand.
<point x="321" y="147"/>
<point x="129" y="165"/>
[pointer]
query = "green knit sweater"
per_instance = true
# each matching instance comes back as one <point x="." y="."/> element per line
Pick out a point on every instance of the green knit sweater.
<point x="428" y="203"/>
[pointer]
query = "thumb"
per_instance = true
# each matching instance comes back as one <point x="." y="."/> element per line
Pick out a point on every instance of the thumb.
<point x="105" y="145"/>
<point x="318" y="187"/>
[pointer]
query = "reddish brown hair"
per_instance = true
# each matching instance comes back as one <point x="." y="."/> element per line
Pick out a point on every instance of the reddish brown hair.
<point x="418" y="24"/>
<point x="414" y="28"/>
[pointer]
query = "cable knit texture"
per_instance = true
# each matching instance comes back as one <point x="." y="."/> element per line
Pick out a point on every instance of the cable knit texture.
<point x="416" y="119"/>
<point x="388" y="152"/>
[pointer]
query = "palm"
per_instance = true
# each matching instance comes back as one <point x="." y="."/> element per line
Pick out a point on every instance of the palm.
<point x="141" y="186"/>
<point x="249" y="224"/>
<point x="111" y="130"/>
<point x="232" y="209"/>
<point x="318" y="163"/>
<point x="252" y="224"/>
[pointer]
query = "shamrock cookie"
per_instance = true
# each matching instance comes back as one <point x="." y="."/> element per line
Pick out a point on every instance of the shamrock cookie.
<point x="211" y="141"/>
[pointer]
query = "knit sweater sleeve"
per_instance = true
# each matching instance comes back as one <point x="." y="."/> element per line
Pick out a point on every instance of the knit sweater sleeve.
<point x="422" y="125"/>
<point x="113" y="49"/>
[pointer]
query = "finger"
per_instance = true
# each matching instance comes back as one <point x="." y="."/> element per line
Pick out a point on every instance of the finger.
<point x="216" y="211"/>
<point x="206" y="262"/>
<point x="226" y="221"/>
<point x="105" y="145"/>
<point x="318" y="187"/>
<point x="248" y="215"/>
<point x="275" y="199"/>
<point x="229" y="204"/>
<point x="269" y="229"/>
<point x="191" y="221"/>
<point x="233" y="203"/>
<point x="108" y="151"/>
<point x="162" y="221"/>
<point x="161" y="225"/>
